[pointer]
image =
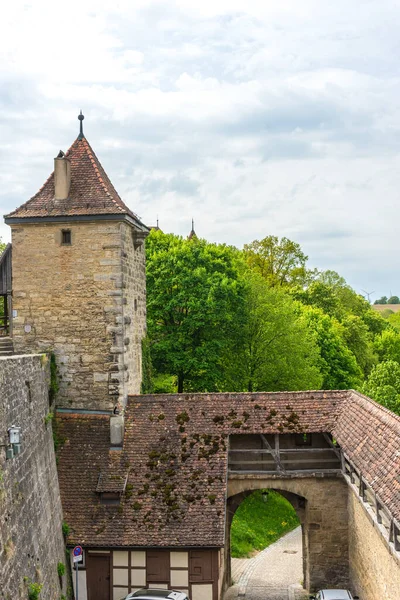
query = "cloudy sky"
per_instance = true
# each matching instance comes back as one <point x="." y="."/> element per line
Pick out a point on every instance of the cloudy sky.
<point x="253" y="117"/>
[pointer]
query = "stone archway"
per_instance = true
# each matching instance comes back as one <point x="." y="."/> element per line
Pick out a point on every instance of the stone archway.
<point x="321" y="505"/>
<point x="233" y="503"/>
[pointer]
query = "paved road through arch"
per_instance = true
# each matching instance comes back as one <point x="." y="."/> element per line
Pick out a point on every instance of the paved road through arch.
<point x="274" y="574"/>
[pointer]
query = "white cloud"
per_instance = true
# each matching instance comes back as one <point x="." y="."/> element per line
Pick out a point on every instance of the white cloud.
<point x="252" y="117"/>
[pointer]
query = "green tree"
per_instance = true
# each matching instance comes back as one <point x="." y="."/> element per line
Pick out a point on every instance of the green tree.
<point x="359" y="340"/>
<point x="147" y="386"/>
<point x="337" y="363"/>
<point x="2" y="246"/>
<point x="332" y="278"/>
<point x="274" y="350"/>
<point x="394" y="320"/>
<point x="335" y="297"/>
<point x="280" y="262"/>
<point x="387" y="345"/>
<point x="383" y="385"/>
<point x="382" y="300"/>
<point x="194" y="298"/>
<point x="320" y="295"/>
<point x="358" y="321"/>
<point x="393" y="300"/>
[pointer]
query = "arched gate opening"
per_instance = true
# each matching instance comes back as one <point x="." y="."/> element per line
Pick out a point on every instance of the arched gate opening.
<point x="299" y="504"/>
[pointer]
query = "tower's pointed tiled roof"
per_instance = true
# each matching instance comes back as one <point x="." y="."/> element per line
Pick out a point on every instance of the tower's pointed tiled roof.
<point x="91" y="191"/>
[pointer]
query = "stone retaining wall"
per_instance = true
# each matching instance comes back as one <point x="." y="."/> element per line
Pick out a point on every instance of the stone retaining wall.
<point x="31" y="542"/>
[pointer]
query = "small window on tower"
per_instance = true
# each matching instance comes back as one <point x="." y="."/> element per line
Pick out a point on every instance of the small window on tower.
<point x="66" y="237"/>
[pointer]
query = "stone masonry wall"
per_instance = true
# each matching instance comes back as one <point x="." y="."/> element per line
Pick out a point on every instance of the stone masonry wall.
<point x="31" y="542"/>
<point x="70" y="298"/>
<point x="134" y="306"/>
<point x="374" y="570"/>
<point x="323" y="517"/>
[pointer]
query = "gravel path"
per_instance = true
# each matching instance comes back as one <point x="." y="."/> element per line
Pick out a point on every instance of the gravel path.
<point x="274" y="574"/>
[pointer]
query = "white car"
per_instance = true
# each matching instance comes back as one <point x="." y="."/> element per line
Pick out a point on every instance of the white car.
<point x="334" y="595"/>
<point x="156" y="594"/>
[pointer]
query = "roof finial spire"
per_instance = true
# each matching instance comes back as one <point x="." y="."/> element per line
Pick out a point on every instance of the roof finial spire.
<point x="80" y="117"/>
<point x="192" y="234"/>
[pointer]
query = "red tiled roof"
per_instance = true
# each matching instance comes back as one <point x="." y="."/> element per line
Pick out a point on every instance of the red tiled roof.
<point x="91" y="191"/>
<point x="370" y="436"/>
<point x="175" y="447"/>
<point x="175" y="457"/>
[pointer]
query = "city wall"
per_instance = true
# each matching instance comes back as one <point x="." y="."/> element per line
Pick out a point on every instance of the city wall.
<point x="31" y="541"/>
<point x="374" y="566"/>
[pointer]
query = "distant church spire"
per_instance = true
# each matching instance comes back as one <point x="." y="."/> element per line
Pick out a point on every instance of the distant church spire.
<point x="81" y="117"/>
<point x="192" y="234"/>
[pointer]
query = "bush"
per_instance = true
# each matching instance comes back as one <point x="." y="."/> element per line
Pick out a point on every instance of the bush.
<point x="34" y="590"/>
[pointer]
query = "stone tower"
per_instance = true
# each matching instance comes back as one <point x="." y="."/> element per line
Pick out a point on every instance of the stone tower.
<point x="79" y="288"/>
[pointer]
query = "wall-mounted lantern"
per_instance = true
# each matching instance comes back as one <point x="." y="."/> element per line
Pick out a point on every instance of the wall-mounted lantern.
<point x="14" y="434"/>
<point x="14" y="438"/>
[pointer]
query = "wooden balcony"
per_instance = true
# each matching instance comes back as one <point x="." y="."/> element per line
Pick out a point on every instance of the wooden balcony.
<point x="287" y="454"/>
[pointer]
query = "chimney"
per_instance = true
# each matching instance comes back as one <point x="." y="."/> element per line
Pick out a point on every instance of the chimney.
<point x="116" y="430"/>
<point x="62" y="176"/>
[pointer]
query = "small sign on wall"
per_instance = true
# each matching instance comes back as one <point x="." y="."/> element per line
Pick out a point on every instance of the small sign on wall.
<point x="27" y="328"/>
<point x="15" y="314"/>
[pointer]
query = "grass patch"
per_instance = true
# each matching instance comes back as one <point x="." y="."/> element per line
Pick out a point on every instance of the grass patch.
<point x="257" y="523"/>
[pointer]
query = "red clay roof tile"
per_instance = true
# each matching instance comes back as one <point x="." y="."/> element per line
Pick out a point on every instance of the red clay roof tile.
<point x="175" y="450"/>
<point x="91" y="192"/>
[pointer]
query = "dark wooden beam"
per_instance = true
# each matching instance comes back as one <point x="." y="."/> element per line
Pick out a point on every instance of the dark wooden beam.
<point x="331" y="444"/>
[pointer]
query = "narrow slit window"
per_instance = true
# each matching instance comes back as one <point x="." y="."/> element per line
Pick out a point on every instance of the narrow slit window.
<point x="66" y="237"/>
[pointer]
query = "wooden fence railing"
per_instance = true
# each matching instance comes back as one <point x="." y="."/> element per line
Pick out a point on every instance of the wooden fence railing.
<point x="284" y="460"/>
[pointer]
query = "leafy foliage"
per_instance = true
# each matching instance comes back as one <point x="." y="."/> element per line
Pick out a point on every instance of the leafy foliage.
<point x="359" y="341"/>
<point x="383" y="385"/>
<point x="394" y="320"/>
<point x="257" y="523"/>
<point x="279" y="262"/>
<point x="275" y="349"/>
<point x="337" y="363"/>
<point x="147" y="368"/>
<point x="224" y="320"/>
<point x="194" y="295"/>
<point x="34" y="590"/>
<point x="387" y="345"/>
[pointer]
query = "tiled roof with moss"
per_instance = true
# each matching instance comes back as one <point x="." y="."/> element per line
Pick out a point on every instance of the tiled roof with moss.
<point x="175" y="457"/>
